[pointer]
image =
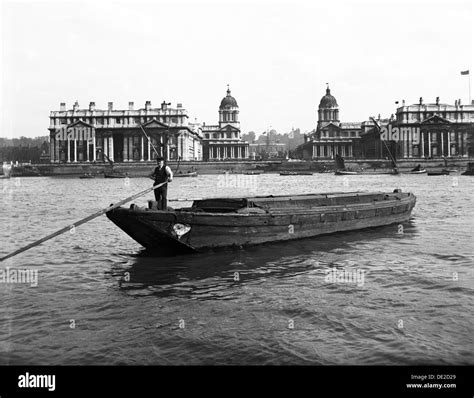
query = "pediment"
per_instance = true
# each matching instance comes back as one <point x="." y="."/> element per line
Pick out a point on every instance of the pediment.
<point x="153" y="123"/>
<point x="436" y="119"/>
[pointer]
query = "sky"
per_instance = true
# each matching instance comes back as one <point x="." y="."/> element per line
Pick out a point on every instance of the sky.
<point x="276" y="56"/>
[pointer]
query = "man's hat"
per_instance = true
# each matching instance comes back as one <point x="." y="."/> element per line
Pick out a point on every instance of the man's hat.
<point x="158" y="158"/>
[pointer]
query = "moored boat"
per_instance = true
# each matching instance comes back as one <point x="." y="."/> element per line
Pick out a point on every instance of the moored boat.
<point x="187" y="174"/>
<point x="438" y="172"/>
<point x="87" y="175"/>
<point x="470" y="170"/>
<point x="296" y="173"/>
<point x="227" y="222"/>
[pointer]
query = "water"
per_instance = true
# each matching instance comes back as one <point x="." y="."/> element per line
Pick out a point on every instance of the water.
<point x="101" y="301"/>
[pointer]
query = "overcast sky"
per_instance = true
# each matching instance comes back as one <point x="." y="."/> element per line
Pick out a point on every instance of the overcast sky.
<point x="277" y="58"/>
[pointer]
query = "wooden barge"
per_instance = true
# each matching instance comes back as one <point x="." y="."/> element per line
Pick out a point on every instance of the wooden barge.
<point x="223" y="222"/>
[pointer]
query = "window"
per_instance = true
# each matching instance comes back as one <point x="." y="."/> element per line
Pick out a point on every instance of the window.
<point x="207" y="135"/>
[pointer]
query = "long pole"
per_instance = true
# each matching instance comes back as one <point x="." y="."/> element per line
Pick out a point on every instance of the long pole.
<point x="149" y="140"/>
<point x="82" y="221"/>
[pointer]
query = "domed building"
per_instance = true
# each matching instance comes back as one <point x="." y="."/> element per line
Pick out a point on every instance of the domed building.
<point x="331" y="137"/>
<point x="223" y="141"/>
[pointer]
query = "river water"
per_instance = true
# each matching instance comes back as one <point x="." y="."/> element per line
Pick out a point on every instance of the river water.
<point x="100" y="300"/>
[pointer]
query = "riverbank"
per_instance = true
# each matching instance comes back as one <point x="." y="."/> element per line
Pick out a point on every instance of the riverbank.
<point x="141" y="169"/>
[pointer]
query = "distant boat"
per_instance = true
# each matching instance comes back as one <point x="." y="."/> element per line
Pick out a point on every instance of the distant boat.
<point x="187" y="174"/>
<point x="370" y="173"/>
<point x="296" y="173"/>
<point x="232" y="222"/>
<point x="114" y="174"/>
<point x="87" y="175"/>
<point x="438" y="173"/>
<point x="345" y="173"/>
<point x="470" y="170"/>
<point x="417" y="170"/>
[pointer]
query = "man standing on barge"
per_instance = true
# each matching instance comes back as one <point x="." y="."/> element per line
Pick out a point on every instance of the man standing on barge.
<point x="162" y="174"/>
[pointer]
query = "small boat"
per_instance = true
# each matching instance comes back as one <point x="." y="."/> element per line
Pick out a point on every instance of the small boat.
<point x="187" y="174"/>
<point x="253" y="172"/>
<point x="296" y="173"/>
<point x="114" y="174"/>
<point x="227" y="222"/>
<point x="87" y="175"/>
<point x="438" y="173"/>
<point x="345" y="173"/>
<point x="417" y="170"/>
<point x="470" y="170"/>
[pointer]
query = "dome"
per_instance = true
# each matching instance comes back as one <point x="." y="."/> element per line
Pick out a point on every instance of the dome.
<point x="328" y="101"/>
<point x="228" y="100"/>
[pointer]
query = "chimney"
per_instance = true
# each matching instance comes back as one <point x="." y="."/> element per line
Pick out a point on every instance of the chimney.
<point x="437" y="100"/>
<point x="163" y="106"/>
<point x="421" y="100"/>
<point x="75" y="106"/>
<point x="111" y="106"/>
<point x="456" y="103"/>
<point x="62" y="107"/>
<point x="403" y="102"/>
<point x="459" y="101"/>
<point x="130" y="106"/>
<point x="147" y="105"/>
<point x="179" y="105"/>
<point x="92" y="106"/>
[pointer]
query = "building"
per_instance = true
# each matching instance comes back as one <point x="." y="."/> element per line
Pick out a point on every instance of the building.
<point x="268" y="146"/>
<point x="331" y="136"/>
<point x="86" y="135"/>
<point x="434" y="130"/>
<point x="223" y="141"/>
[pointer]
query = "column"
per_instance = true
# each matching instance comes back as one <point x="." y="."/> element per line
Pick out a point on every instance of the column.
<point x="68" y="150"/>
<point x="464" y="144"/>
<point x="57" y="150"/>
<point x="350" y="151"/>
<point x="422" y="138"/>
<point x="125" y="148"/>
<point x="410" y="143"/>
<point x="51" y="150"/>
<point x="449" y="144"/>
<point x="442" y="143"/>
<point x="87" y="151"/>
<point x="404" y="143"/>
<point x="142" y="148"/>
<point x="111" y="148"/>
<point x="429" y="144"/>
<point x="149" y="149"/>
<point x="94" y="155"/>
<point x="75" y="151"/>
<point x="130" y="149"/>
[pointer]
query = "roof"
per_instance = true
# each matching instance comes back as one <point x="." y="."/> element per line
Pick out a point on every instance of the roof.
<point x="228" y="101"/>
<point x="328" y="101"/>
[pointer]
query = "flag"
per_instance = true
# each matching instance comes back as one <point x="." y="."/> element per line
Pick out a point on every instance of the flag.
<point x="465" y="72"/>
